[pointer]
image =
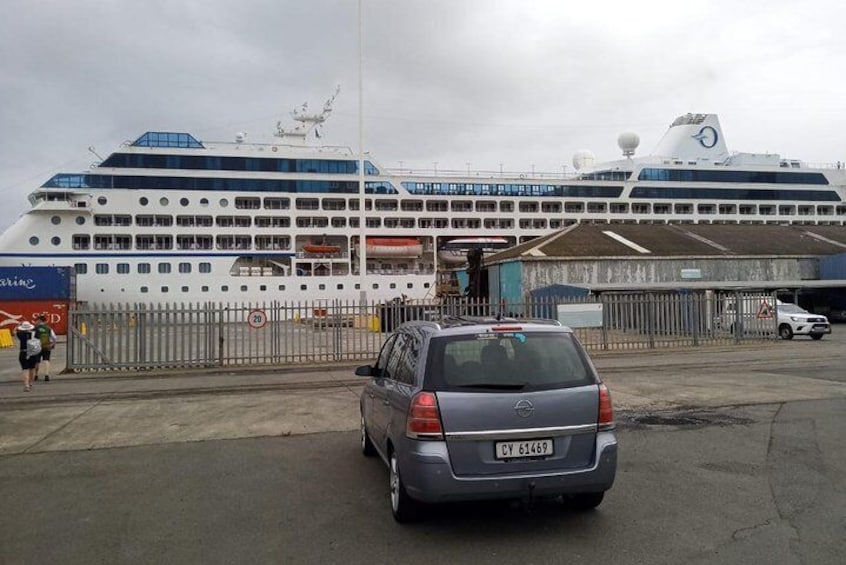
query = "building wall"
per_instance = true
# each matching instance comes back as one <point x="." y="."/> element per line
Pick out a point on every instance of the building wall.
<point x="538" y="274"/>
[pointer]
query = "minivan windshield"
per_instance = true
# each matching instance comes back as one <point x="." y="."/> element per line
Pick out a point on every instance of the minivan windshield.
<point x="520" y="360"/>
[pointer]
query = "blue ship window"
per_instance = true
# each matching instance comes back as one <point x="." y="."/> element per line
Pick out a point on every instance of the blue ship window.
<point x="167" y="139"/>
<point x="705" y="175"/>
<point x="754" y="194"/>
<point x="226" y="184"/>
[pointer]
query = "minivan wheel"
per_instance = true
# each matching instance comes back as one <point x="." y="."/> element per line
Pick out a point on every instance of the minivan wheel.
<point x="587" y="500"/>
<point x="367" y="447"/>
<point x="785" y="332"/>
<point x="404" y="508"/>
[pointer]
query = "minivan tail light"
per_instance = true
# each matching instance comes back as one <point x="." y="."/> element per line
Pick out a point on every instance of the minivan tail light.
<point x="424" y="417"/>
<point x="605" y="420"/>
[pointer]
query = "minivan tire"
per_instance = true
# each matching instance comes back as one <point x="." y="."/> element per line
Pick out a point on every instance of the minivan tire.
<point x="367" y="447"/>
<point x="405" y="509"/>
<point x="785" y="332"/>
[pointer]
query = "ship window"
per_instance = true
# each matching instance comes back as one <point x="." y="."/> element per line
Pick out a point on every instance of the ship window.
<point x="204" y="201"/>
<point x="164" y="268"/>
<point x="409" y="285"/>
<point x="225" y="288"/>
<point x="102" y="201"/>
<point x="426" y="285"/>
<point x="321" y="287"/>
<point x="184" y="289"/>
<point x="224" y="202"/>
<point x="340" y="287"/>
<point x="185" y="267"/>
<point x="204" y="288"/>
<point x="55" y="240"/>
<point x="393" y="285"/>
<point x="144" y="289"/>
<point x="56" y="220"/>
<point x="303" y="287"/>
<point x="164" y="201"/>
<point x="243" y="288"/>
<point x="262" y="287"/>
<point x="80" y="268"/>
<point x="102" y="268"/>
<point x="143" y="202"/>
<point x="143" y="268"/>
<point x="375" y="286"/>
<point x="33" y="240"/>
<point x="183" y="201"/>
<point x="80" y="220"/>
<point x="357" y="286"/>
<point x="205" y="267"/>
<point x="81" y="241"/>
<point x="281" y="287"/>
<point x="164" y="289"/>
<point x="247" y="203"/>
<point x="123" y="268"/>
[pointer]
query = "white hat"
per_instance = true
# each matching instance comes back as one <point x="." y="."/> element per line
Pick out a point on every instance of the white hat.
<point x="26" y="326"/>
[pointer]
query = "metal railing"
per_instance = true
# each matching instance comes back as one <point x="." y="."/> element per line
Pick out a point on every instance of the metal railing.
<point x="156" y="336"/>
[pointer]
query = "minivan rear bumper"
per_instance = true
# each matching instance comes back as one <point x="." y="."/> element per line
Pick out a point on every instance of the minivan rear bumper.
<point x="427" y="474"/>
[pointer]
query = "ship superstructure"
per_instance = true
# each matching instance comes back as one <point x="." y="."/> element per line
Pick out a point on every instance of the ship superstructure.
<point x="169" y="217"/>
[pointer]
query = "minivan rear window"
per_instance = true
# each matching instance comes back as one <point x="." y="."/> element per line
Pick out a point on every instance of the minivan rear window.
<point x="507" y="361"/>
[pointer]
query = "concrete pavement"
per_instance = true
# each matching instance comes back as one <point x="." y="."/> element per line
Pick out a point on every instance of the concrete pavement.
<point x="124" y="409"/>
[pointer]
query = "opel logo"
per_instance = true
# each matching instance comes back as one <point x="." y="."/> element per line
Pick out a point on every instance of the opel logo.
<point x="524" y="408"/>
<point x="707" y="137"/>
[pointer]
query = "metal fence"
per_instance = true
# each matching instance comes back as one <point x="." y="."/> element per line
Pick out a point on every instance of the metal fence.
<point x="148" y="336"/>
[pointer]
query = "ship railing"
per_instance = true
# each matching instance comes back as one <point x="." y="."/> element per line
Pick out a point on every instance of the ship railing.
<point x="480" y="174"/>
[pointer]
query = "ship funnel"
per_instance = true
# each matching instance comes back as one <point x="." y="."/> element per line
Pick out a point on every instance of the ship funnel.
<point x="693" y="137"/>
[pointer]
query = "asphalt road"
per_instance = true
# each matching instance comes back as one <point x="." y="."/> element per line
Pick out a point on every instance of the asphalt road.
<point x="739" y="459"/>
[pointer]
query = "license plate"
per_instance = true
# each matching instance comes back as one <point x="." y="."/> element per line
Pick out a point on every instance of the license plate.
<point x="521" y="449"/>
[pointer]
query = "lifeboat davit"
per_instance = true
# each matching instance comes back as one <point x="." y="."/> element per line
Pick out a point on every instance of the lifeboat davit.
<point x="321" y="248"/>
<point x="399" y="247"/>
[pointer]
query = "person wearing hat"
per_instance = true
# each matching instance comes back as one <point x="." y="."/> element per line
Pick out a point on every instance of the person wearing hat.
<point x="24" y="333"/>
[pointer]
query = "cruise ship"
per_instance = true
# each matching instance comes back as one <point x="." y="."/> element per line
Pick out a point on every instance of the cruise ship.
<point x="169" y="217"/>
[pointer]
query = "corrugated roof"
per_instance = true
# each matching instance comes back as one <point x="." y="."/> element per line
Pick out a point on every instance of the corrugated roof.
<point x="674" y="240"/>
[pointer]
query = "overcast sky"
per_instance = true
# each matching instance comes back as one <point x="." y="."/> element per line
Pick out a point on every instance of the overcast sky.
<point x="520" y="82"/>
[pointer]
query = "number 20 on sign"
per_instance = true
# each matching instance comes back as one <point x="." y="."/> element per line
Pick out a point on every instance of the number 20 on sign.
<point x="257" y="319"/>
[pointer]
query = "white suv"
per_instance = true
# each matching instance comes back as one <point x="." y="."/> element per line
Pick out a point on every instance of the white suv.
<point x="793" y="320"/>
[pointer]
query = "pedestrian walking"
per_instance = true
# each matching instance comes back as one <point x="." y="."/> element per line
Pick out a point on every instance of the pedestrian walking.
<point x="47" y="337"/>
<point x="28" y="356"/>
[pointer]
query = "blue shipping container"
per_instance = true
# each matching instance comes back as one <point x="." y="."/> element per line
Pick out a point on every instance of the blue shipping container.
<point x="37" y="283"/>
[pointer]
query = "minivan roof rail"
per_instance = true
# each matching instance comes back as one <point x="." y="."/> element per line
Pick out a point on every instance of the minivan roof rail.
<point x="452" y="321"/>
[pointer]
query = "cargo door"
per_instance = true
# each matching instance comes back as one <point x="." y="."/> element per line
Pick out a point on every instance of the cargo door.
<point x="491" y="433"/>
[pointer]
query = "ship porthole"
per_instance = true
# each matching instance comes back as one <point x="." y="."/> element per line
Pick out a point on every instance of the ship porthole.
<point x="143" y="201"/>
<point x="56" y="240"/>
<point x="80" y="220"/>
<point x="33" y="240"/>
<point x="55" y="220"/>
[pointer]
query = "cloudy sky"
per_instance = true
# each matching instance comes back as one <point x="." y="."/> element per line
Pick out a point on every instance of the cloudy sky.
<point x="525" y="83"/>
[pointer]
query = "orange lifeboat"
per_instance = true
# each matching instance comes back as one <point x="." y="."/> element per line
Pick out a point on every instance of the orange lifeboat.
<point x="321" y="248"/>
<point x="400" y="247"/>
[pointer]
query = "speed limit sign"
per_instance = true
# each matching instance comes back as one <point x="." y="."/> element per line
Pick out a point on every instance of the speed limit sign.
<point x="257" y="319"/>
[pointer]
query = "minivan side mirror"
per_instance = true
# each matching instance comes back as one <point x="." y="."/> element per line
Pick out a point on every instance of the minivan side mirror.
<point x="364" y="371"/>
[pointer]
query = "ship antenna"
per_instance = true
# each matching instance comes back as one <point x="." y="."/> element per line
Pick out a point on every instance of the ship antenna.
<point x="92" y="150"/>
<point x="307" y="122"/>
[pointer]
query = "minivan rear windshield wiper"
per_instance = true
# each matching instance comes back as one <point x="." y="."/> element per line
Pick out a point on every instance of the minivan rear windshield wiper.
<point x="514" y="386"/>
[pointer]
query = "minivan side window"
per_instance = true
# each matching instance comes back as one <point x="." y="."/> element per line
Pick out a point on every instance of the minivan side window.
<point x="407" y="363"/>
<point x="397" y="352"/>
<point x="384" y="356"/>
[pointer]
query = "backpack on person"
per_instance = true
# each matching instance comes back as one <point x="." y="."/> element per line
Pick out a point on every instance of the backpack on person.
<point x="33" y="347"/>
<point x="44" y="334"/>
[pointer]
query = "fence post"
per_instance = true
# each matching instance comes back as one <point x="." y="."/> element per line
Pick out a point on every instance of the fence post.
<point x="220" y="312"/>
<point x="650" y="319"/>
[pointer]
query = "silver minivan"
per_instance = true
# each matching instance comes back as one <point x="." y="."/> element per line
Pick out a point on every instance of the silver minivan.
<point x="471" y="409"/>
